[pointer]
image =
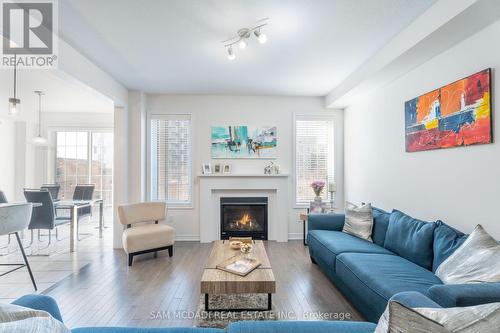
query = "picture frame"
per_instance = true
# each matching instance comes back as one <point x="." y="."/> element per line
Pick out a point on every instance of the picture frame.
<point x="226" y="169"/>
<point x="206" y="169"/>
<point x="218" y="168"/>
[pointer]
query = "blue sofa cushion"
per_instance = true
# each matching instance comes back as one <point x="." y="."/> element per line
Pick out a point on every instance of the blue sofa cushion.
<point x="301" y="327"/>
<point x="410" y="238"/>
<point x="377" y="277"/>
<point x="145" y="330"/>
<point x="446" y="241"/>
<point x="326" y="244"/>
<point x="380" y="224"/>
<point x="40" y="302"/>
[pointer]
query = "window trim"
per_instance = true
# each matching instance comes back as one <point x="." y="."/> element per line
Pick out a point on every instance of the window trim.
<point x="310" y="116"/>
<point x="52" y="153"/>
<point x="155" y="115"/>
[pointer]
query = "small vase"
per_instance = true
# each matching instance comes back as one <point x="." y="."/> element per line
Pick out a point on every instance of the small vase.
<point x="318" y="199"/>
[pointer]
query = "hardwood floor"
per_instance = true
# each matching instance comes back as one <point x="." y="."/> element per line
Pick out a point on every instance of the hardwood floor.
<point x="109" y="293"/>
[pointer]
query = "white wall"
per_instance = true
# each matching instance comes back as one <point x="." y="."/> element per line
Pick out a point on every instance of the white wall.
<point x="7" y="159"/>
<point x="207" y="111"/>
<point x="461" y="186"/>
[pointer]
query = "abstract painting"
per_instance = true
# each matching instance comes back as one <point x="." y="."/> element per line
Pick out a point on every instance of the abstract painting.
<point x="244" y="142"/>
<point x="458" y="114"/>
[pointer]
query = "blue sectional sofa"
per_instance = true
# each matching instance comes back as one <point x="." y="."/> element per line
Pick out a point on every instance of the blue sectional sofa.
<point x="403" y="256"/>
<point x="412" y="299"/>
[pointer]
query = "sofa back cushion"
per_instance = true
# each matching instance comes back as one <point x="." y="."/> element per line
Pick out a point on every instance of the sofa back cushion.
<point x="410" y="238"/>
<point x="446" y="241"/>
<point x="380" y="224"/>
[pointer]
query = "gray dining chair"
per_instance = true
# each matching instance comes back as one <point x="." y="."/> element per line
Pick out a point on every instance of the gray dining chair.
<point x="53" y="190"/>
<point x="13" y="219"/>
<point x="84" y="192"/>
<point x="3" y="199"/>
<point x="44" y="217"/>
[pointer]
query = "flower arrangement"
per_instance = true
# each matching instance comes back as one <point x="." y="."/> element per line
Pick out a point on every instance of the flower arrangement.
<point x="246" y="248"/>
<point x="318" y="186"/>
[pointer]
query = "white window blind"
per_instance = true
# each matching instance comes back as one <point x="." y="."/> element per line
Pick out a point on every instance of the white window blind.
<point x="314" y="155"/>
<point x="171" y="159"/>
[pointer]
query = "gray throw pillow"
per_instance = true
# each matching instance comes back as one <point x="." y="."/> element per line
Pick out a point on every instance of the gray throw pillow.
<point x="359" y="221"/>
<point x="14" y="318"/>
<point x="473" y="319"/>
<point x="476" y="260"/>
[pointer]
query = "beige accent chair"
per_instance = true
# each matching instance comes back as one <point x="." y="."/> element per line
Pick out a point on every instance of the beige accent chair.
<point x="141" y="237"/>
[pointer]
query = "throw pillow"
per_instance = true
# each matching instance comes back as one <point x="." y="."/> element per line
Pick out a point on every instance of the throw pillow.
<point x="410" y="238"/>
<point x="473" y="319"/>
<point x="14" y="318"/>
<point x="358" y="221"/>
<point x="476" y="260"/>
<point x="446" y="241"/>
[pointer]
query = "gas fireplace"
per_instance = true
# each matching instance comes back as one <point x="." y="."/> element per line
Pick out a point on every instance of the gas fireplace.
<point x="243" y="217"/>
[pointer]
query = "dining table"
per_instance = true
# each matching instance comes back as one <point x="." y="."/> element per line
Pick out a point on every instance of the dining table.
<point x="75" y="206"/>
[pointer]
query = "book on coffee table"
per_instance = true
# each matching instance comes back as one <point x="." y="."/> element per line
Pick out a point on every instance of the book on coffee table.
<point x="239" y="265"/>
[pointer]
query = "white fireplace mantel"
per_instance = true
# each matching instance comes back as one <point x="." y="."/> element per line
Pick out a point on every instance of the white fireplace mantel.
<point x="274" y="187"/>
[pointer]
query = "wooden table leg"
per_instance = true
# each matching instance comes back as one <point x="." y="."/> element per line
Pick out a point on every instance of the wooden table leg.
<point x="73" y="229"/>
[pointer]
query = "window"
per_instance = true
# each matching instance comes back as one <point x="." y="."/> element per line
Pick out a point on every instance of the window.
<point x="85" y="157"/>
<point x="314" y="155"/>
<point x="170" y="159"/>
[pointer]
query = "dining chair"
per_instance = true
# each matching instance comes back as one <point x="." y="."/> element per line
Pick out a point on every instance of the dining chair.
<point x="3" y="199"/>
<point x="13" y="219"/>
<point x="44" y="217"/>
<point x="84" y="192"/>
<point x="53" y="190"/>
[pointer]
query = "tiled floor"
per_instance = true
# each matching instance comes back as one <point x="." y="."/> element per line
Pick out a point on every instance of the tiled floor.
<point x="51" y="269"/>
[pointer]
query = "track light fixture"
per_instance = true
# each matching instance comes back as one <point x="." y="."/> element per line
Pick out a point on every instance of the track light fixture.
<point x="243" y="36"/>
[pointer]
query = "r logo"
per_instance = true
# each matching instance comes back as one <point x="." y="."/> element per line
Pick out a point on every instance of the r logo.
<point x="27" y="27"/>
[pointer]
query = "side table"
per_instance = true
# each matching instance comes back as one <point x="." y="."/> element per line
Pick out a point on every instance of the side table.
<point x="303" y="217"/>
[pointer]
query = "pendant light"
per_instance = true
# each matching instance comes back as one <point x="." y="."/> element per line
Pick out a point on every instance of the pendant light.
<point x="39" y="140"/>
<point x="14" y="102"/>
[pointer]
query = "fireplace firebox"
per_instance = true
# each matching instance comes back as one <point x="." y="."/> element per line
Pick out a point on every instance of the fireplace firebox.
<point x="243" y="217"/>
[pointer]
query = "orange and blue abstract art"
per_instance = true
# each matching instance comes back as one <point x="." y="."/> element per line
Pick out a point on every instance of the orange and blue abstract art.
<point x="458" y="114"/>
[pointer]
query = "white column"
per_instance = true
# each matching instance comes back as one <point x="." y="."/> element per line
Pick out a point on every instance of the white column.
<point x="137" y="145"/>
<point x="120" y="170"/>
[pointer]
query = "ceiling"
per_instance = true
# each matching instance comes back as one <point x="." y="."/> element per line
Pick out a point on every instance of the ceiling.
<point x="61" y="93"/>
<point x="174" y="46"/>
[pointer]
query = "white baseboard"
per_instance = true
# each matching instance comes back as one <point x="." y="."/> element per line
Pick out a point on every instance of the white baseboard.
<point x="187" y="238"/>
<point x="295" y="235"/>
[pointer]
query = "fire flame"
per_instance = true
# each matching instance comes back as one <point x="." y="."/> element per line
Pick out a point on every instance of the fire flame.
<point x="246" y="219"/>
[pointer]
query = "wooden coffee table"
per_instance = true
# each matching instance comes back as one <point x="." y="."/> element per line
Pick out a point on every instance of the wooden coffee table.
<point x="259" y="281"/>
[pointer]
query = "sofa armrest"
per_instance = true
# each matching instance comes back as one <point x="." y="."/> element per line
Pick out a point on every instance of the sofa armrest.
<point x="460" y="295"/>
<point x="414" y="299"/>
<point x="40" y="302"/>
<point x="333" y="222"/>
<point x="284" y="326"/>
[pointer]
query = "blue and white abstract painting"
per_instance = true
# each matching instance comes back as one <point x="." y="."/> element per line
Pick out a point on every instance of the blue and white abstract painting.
<point x="244" y="142"/>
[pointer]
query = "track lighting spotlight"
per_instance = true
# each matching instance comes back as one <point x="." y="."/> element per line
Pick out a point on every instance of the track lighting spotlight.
<point x="242" y="44"/>
<point x="230" y="53"/>
<point x="260" y="36"/>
